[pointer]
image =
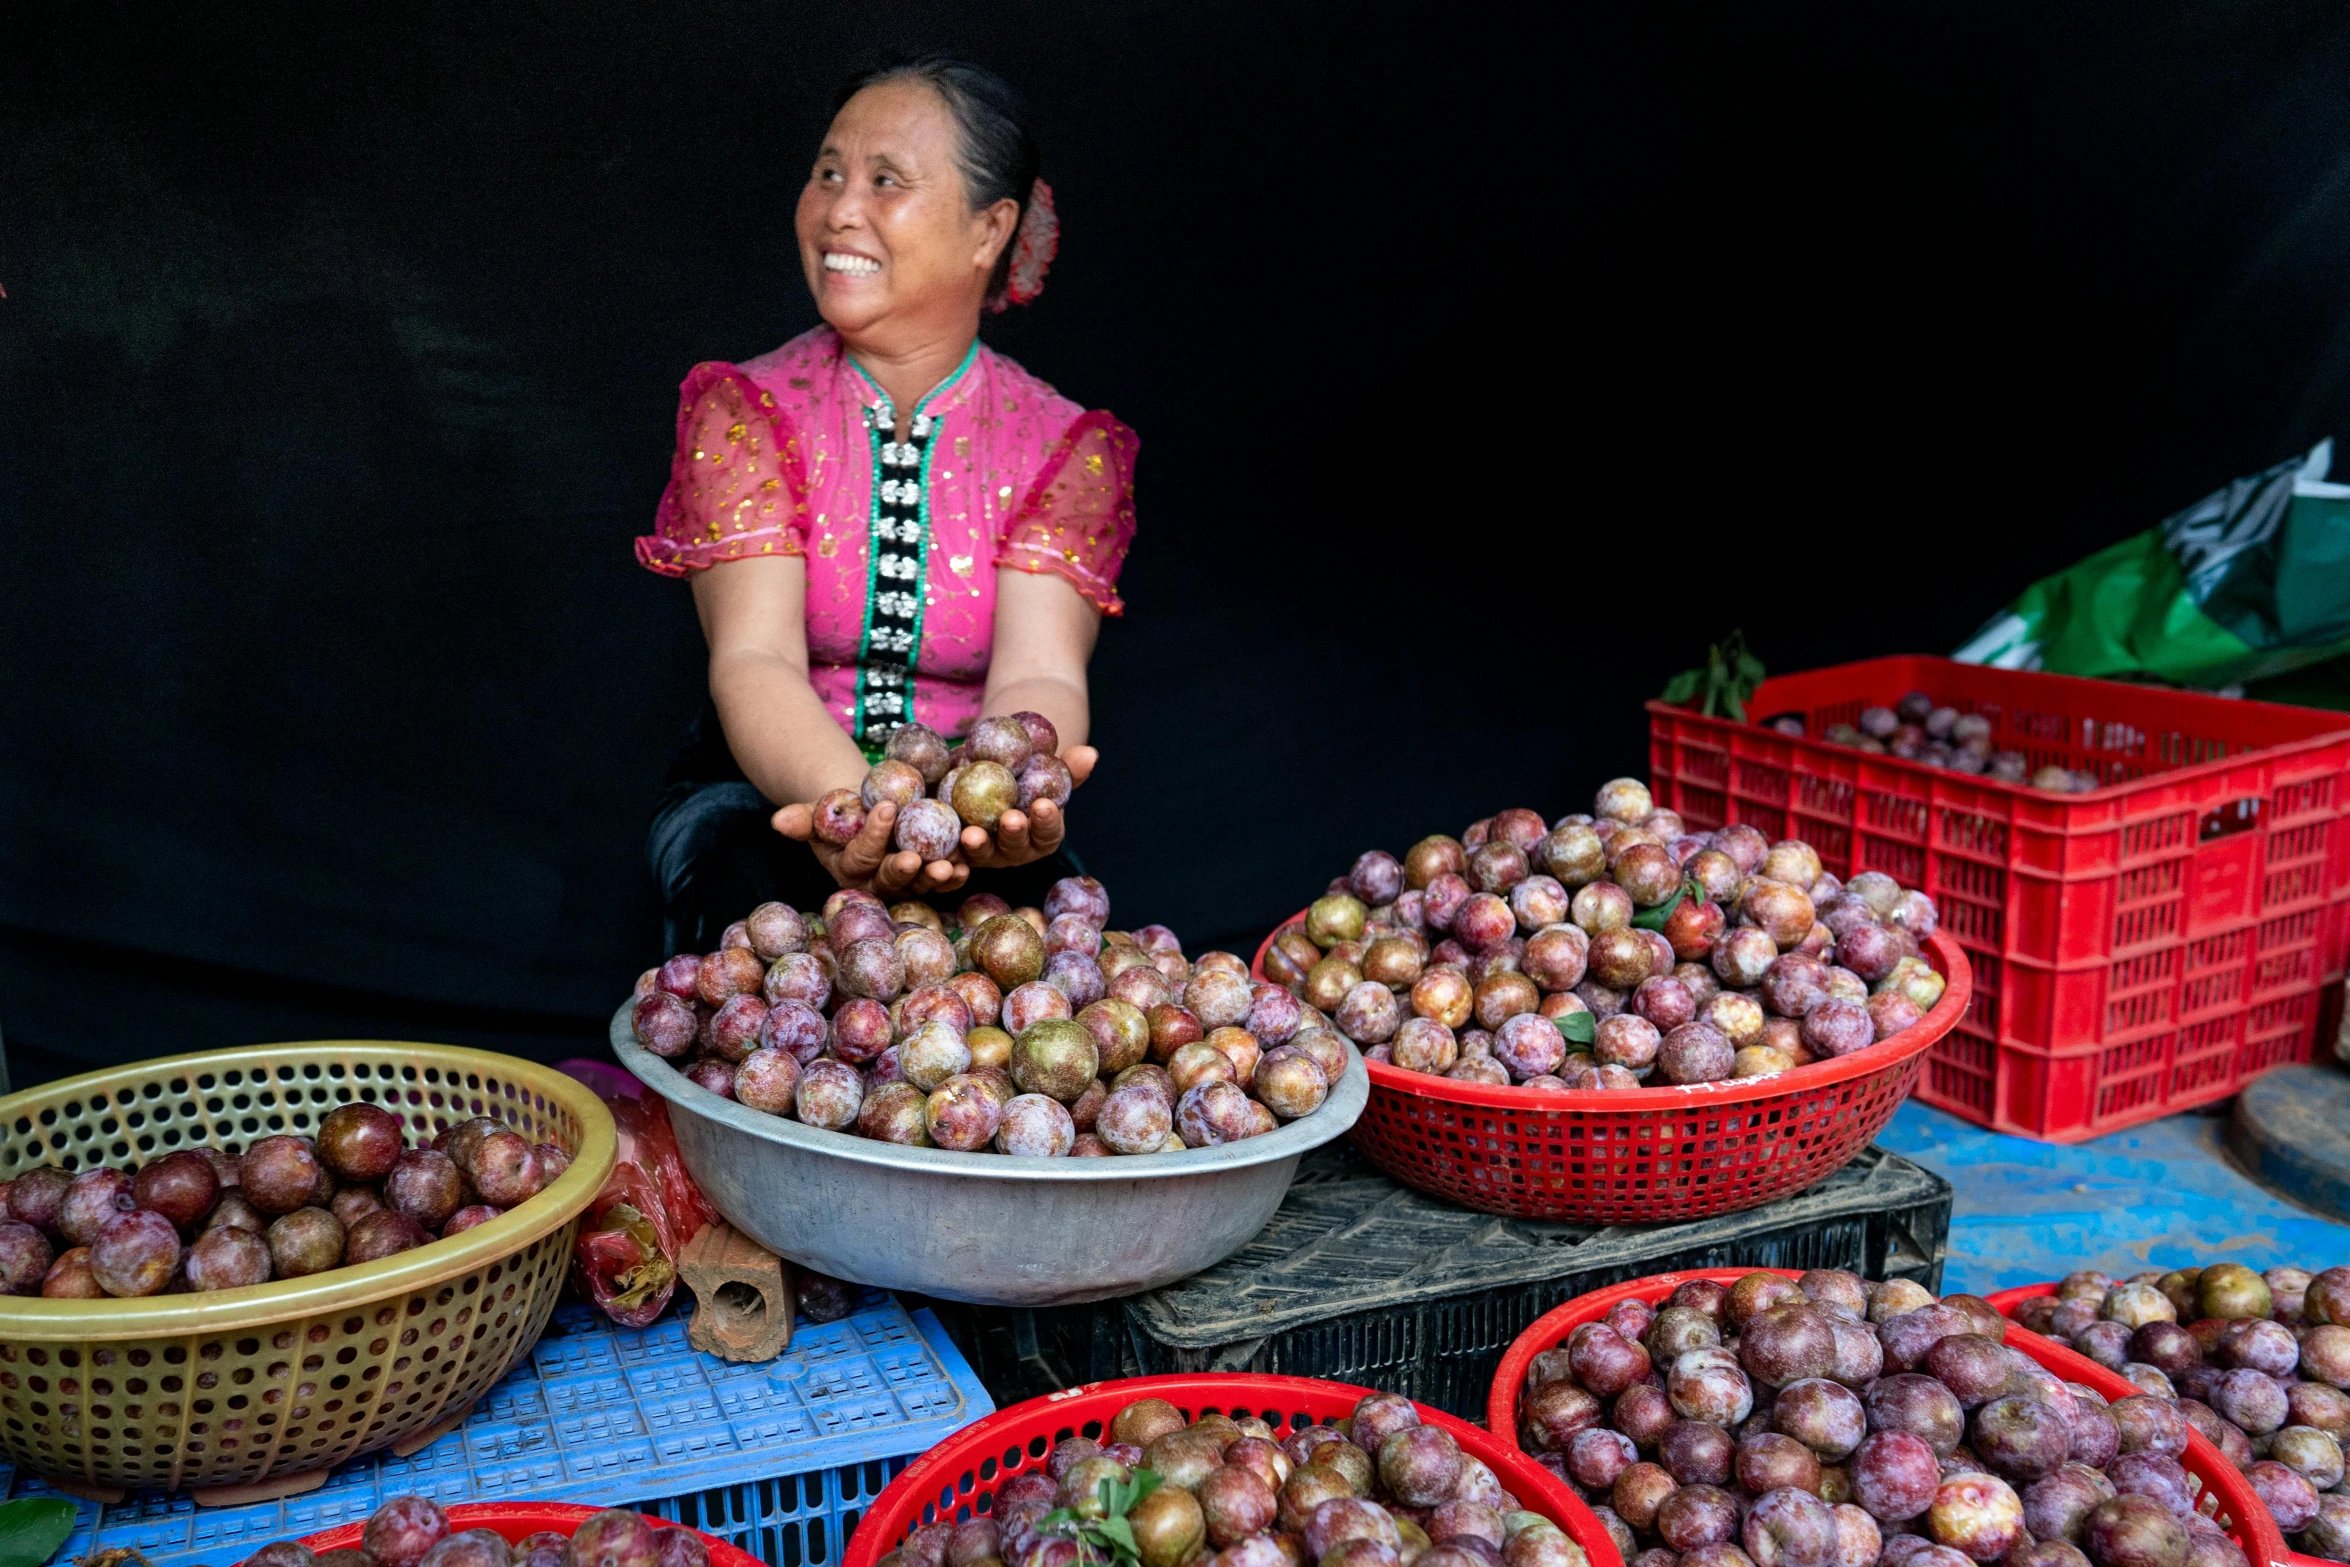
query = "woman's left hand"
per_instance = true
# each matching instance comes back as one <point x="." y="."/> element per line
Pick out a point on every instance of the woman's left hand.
<point x="1023" y="836"/>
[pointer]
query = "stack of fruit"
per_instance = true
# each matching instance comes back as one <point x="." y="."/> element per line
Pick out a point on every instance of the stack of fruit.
<point x="412" y="1531"/>
<point x="2259" y="1363"/>
<point x="1611" y="950"/>
<point x="1035" y="1032"/>
<point x="1377" y="1489"/>
<point x="1830" y="1422"/>
<point x="200" y="1219"/>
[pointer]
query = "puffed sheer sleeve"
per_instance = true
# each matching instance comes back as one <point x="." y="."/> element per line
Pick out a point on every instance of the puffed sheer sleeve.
<point x="735" y="485"/>
<point x="1078" y="518"/>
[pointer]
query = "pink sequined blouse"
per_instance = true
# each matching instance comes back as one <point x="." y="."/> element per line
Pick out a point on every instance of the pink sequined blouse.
<point x="795" y="453"/>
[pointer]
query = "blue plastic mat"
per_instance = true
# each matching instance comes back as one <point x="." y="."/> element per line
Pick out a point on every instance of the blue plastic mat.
<point x="778" y="1458"/>
<point x="2162" y="1195"/>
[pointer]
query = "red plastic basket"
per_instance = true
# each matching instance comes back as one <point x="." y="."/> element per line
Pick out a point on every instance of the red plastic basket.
<point x="956" y="1478"/>
<point x="2221" y="1491"/>
<point x="2005" y="1303"/>
<point x="2138" y="950"/>
<point x="1642" y="1155"/>
<point x="515" y="1520"/>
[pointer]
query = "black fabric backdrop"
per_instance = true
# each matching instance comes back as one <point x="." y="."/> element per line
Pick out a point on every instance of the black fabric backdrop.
<point x="1487" y="367"/>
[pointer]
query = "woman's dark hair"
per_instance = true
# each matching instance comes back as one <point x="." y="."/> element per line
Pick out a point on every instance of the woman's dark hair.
<point x="995" y="146"/>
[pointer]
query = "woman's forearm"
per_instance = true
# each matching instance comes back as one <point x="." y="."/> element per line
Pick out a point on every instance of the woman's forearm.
<point x="787" y="744"/>
<point x="1059" y="699"/>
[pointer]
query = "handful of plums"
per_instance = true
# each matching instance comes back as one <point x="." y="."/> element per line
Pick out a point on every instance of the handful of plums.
<point x="1037" y="1032"/>
<point x="1611" y="950"/>
<point x="1830" y="1422"/>
<point x="2258" y="1363"/>
<point x="1005" y="763"/>
<point x="201" y="1219"/>
<point x="1376" y="1489"/>
<point x="413" y="1531"/>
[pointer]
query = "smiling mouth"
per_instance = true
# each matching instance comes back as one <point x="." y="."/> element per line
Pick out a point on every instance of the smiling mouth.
<point x="853" y="265"/>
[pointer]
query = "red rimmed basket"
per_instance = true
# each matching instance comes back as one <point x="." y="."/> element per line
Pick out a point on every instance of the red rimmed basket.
<point x="2005" y="1302"/>
<point x="1641" y="1155"/>
<point x="515" y="1520"/>
<point x="955" y="1479"/>
<point x="2221" y="1492"/>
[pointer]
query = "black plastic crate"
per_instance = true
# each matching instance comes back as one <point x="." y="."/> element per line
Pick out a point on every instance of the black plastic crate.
<point x="1361" y="1279"/>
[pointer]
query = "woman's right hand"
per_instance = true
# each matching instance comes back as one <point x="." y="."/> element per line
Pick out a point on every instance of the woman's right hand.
<point x="866" y="861"/>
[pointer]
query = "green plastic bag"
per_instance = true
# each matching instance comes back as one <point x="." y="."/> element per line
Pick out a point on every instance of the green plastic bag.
<point x="2246" y="590"/>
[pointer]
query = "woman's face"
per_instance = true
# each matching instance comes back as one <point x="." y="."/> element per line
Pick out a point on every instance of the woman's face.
<point x="887" y="238"/>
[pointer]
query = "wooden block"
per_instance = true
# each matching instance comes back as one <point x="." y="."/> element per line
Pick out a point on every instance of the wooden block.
<point x="742" y="1295"/>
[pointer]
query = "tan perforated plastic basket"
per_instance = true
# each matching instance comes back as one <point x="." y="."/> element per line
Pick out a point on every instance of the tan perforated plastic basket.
<point x="248" y="1385"/>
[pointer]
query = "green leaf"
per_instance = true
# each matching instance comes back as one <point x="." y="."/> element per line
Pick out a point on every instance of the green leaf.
<point x="32" y="1528"/>
<point x="1654" y="919"/>
<point x="1119" y="1533"/>
<point x="1683" y="686"/>
<point x="1144" y="1482"/>
<point x="1056" y="1518"/>
<point x="1577" y="1028"/>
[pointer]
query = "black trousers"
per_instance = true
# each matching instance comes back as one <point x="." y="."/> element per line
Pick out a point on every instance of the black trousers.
<point x="715" y="856"/>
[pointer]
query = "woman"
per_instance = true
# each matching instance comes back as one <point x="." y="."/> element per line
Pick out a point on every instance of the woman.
<point x="884" y="520"/>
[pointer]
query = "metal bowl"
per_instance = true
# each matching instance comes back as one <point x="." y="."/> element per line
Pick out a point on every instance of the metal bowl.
<point x="983" y="1228"/>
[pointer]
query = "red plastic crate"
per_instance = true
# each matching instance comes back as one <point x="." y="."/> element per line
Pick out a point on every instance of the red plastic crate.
<point x="2140" y="949"/>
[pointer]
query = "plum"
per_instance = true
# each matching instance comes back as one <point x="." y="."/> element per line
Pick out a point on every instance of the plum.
<point x="1603" y="1362"/>
<point x="837" y="816"/>
<point x="1627" y="1041"/>
<point x="1709" y="1385"/>
<point x="1788" y="1344"/>
<point x="232" y="1211"/>
<point x="1977" y="1515"/>
<point x="424" y="1185"/>
<point x="1289" y="1082"/>
<point x="2314" y="1455"/>
<point x="25" y="1258"/>
<point x="70" y="1278"/>
<point x="614" y="1537"/>
<point x="1823" y="1415"/>
<point x="357" y="1141"/>
<point x="1895" y="1476"/>
<point x="1695" y="1052"/>
<point x="1769" y="1460"/>
<point x="1742" y="956"/>
<point x="1555" y="1411"/>
<point x="1698" y="1515"/>
<point x="137" y="1253"/>
<point x="1419" y="1466"/>
<point x="1594" y="1457"/>
<point x="1638" y="1492"/>
<point x="1643" y="1413"/>
<point x="1908" y="1337"/>
<point x="402" y="1530"/>
<point x="308" y="1240"/>
<point x="2328" y="1534"/>
<point x="2155" y="1475"/>
<point x="469" y="1217"/>
<point x="281" y="1173"/>
<point x="2133" y="1531"/>
<point x="1787" y="1527"/>
<point x="1035" y="1126"/>
<point x="2021" y="1438"/>
<point x="962" y="1114"/>
<point x="1169" y="1528"/>
<point x="1695" y="1453"/>
<point x="94" y="1200"/>
<point x="1918" y="1405"/>
<point x="1975" y="1369"/>
<point x="1838" y="1028"/>
<point x="504" y="1169"/>
<point x="383" y="1233"/>
<point x="2251" y="1400"/>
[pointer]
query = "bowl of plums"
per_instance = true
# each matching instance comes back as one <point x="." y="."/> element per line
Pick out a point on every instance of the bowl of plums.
<point x="1226" y="1470"/>
<point x="1762" y="1418"/>
<point x="415" y="1531"/>
<point x="1004" y="1106"/>
<point x="2257" y="1363"/>
<point x="1611" y="1019"/>
<point x="229" y="1267"/>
